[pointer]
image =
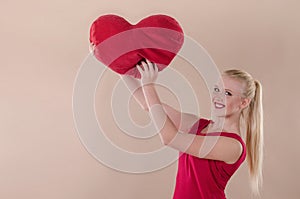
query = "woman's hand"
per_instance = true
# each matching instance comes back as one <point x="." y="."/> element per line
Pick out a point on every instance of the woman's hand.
<point x="149" y="72"/>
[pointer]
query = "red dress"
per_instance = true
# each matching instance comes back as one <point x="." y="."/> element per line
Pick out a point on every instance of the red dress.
<point x="199" y="178"/>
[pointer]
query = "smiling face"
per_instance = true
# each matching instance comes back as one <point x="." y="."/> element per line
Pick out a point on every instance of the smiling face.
<point x="229" y="100"/>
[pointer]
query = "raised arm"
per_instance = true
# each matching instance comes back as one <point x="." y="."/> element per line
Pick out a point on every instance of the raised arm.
<point x="134" y="86"/>
<point x="182" y="121"/>
<point x="218" y="148"/>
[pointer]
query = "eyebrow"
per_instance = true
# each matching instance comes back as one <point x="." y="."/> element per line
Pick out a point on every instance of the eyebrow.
<point x="228" y="90"/>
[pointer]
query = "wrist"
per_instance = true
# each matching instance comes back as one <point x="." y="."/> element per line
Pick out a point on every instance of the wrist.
<point x="149" y="86"/>
<point x="151" y="96"/>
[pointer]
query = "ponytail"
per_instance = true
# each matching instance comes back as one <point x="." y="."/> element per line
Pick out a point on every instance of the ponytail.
<point x="254" y="139"/>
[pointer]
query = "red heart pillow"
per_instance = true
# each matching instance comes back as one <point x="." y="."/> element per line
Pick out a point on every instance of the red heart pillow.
<point x="120" y="45"/>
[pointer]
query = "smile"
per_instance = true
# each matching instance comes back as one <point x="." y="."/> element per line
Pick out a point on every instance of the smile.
<point x="219" y="106"/>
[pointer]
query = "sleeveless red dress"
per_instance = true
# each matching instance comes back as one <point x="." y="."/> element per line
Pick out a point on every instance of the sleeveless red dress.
<point x="199" y="178"/>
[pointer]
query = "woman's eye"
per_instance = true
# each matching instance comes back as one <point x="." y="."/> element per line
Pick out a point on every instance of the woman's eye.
<point x="228" y="93"/>
<point x="216" y="89"/>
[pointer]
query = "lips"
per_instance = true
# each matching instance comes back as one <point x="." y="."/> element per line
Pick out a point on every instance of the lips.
<point x="219" y="105"/>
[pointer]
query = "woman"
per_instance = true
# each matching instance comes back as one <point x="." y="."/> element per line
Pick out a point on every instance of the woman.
<point x="204" y="174"/>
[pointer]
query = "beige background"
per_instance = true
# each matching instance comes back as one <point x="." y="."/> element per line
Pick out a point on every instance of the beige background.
<point x="43" y="44"/>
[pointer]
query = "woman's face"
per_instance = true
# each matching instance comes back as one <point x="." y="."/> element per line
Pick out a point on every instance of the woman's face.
<point x="228" y="100"/>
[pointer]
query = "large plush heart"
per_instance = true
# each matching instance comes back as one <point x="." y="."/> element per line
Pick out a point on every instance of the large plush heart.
<point x="121" y="45"/>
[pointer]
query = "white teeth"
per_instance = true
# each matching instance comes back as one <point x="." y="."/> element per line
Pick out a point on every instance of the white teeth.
<point x="218" y="105"/>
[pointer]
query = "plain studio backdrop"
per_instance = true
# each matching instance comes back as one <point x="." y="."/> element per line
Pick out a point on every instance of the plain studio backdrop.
<point x="44" y="43"/>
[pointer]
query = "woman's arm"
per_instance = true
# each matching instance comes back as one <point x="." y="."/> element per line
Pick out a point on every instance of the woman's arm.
<point x="182" y="121"/>
<point x="209" y="147"/>
<point x="218" y="148"/>
<point x="134" y="86"/>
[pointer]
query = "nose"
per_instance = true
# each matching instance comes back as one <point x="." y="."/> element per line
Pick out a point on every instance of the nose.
<point x="218" y="97"/>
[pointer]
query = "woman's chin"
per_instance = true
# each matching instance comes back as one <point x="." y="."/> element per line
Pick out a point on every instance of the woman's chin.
<point x="219" y="112"/>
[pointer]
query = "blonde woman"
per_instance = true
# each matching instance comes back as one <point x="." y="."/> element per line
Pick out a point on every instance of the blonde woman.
<point x="205" y="173"/>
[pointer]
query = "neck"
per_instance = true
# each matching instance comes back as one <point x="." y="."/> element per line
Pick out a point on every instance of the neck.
<point x="227" y="124"/>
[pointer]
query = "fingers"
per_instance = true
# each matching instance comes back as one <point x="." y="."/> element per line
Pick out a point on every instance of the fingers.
<point x="142" y="67"/>
<point x="146" y="67"/>
<point x="152" y="67"/>
<point x="140" y="70"/>
<point x="155" y="68"/>
<point x="148" y="71"/>
<point x="149" y="67"/>
<point x="149" y="62"/>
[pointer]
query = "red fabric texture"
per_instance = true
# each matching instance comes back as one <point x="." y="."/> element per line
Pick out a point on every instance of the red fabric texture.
<point x="121" y="45"/>
<point x="203" y="178"/>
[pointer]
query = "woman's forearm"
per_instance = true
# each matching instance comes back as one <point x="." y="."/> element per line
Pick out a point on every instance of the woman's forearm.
<point x="151" y="96"/>
<point x="139" y="97"/>
<point x="164" y="124"/>
<point x="136" y="90"/>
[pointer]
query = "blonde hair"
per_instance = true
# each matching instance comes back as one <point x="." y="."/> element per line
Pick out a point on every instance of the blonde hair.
<point x="252" y="120"/>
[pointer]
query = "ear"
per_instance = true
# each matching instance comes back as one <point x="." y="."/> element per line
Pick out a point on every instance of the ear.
<point x="245" y="103"/>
